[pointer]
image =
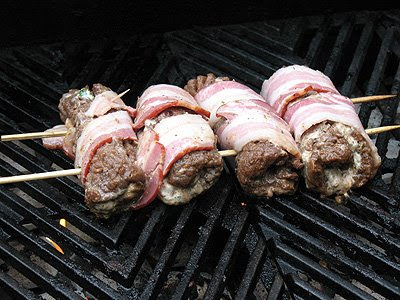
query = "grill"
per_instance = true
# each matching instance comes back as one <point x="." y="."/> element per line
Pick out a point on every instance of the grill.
<point x="225" y="244"/>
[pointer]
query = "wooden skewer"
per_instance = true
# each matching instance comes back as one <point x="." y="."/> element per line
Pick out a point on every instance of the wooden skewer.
<point x="39" y="176"/>
<point x="73" y="172"/>
<point x="49" y="134"/>
<point x="43" y="134"/>
<point x="32" y="135"/>
<point x="372" y="98"/>
<point x="377" y="130"/>
<point x="70" y="172"/>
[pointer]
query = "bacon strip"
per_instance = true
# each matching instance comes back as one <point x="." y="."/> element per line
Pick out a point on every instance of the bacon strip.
<point x="289" y="83"/>
<point x="182" y="134"/>
<point x="150" y="157"/>
<point x="318" y="108"/>
<point x="253" y="120"/>
<point x="99" y="131"/>
<point x="54" y="143"/>
<point x="220" y="93"/>
<point x="158" y="98"/>
<point x="58" y="143"/>
<point x="107" y="101"/>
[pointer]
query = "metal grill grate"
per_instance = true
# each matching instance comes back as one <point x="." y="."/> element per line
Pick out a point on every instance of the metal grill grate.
<point x="299" y="247"/>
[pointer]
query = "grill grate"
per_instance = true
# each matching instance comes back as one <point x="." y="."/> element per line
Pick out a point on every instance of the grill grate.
<point x="320" y="248"/>
<point x="222" y="245"/>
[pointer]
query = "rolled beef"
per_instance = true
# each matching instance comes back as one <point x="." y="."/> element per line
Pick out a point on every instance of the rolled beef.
<point x="337" y="153"/>
<point x="268" y="160"/>
<point x="192" y="163"/>
<point x="104" y="148"/>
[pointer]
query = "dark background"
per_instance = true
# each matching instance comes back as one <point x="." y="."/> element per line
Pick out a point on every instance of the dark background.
<point x="56" y="20"/>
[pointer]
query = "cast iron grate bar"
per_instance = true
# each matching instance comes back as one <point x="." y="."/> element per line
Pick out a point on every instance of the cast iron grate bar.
<point x="252" y="272"/>
<point x="329" y="253"/>
<point x="159" y="273"/>
<point x="11" y="289"/>
<point x="358" y="57"/>
<point x="202" y="243"/>
<point x="342" y="39"/>
<point x="53" y="285"/>
<point x="228" y="255"/>
<point x="91" y="283"/>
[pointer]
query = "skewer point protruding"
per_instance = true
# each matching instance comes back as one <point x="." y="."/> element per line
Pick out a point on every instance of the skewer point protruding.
<point x="377" y="130"/>
<point x="372" y="98"/>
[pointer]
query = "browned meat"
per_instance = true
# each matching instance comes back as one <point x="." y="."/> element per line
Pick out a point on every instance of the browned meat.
<point x="114" y="181"/>
<point x="170" y="112"/>
<point x="184" y="171"/>
<point x="195" y="85"/>
<point x="191" y="175"/>
<point x="98" y="88"/>
<point x="264" y="169"/>
<point x="336" y="158"/>
<point x="73" y="102"/>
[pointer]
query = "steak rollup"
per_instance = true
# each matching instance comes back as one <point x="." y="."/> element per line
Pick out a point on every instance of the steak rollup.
<point x="268" y="159"/>
<point x="336" y="151"/>
<point x="192" y="163"/>
<point x="101" y="140"/>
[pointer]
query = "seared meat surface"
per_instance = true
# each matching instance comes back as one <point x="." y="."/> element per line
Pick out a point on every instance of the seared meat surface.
<point x="114" y="181"/>
<point x="73" y="102"/>
<point x="336" y="158"/>
<point x="264" y="169"/>
<point x="195" y="85"/>
<point x="192" y="174"/>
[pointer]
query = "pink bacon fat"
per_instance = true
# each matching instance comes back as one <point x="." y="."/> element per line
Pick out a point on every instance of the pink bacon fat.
<point x="253" y="120"/>
<point x="99" y="131"/>
<point x="57" y="143"/>
<point x="54" y="143"/>
<point x="160" y="97"/>
<point x="314" y="109"/>
<point x="183" y="134"/>
<point x="220" y="93"/>
<point x="150" y="158"/>
<point x="107" y="101"/>
<point x="292" y="82"/>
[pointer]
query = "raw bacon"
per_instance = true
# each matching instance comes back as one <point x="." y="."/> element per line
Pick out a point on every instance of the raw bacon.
<point x="267" y="160"/>
<point x="220" y="93"/>
<point x="318" y="108"/>
<point x="182" y="134"/>
<point x="107" y="101"/>
<point x="158" y="98"/>
<point x="99" y="131"/>
<point x="289" y="83"/>
<point x="253" y="120"/>
<point x="54" y="143"/>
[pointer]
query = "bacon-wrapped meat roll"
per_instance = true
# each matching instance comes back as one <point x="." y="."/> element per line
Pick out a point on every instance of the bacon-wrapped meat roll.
<point x="192" y="163"/>
<point x="102" y="141"/>
<point x="268" y="159"/>
<point x="335" y="149"/>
